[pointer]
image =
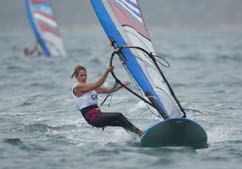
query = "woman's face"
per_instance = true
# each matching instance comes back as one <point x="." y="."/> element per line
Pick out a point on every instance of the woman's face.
<point x="82" y="76"/>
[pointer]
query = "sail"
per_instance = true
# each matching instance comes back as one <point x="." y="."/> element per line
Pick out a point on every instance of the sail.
<point x="123" y="23"/>
<point x="45" y="27"/>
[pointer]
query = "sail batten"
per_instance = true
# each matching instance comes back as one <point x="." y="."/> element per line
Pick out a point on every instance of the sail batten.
<point x="123" y="22"/>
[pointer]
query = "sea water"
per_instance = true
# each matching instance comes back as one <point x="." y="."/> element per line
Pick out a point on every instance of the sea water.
<point x="41" y="128"/>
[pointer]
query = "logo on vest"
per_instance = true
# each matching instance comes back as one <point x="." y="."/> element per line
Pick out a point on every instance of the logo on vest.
<point x="94" y="97"/>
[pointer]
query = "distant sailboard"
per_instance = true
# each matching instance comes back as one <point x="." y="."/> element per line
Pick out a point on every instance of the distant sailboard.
<point x="45" y="27"/>
<point x="124" y="25"/>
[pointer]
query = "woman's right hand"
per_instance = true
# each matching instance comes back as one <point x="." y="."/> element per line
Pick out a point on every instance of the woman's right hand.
<point x="109" y="69"/>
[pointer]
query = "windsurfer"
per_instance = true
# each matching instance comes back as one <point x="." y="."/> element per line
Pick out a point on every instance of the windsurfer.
<point x="86" y="100"/>
<point x="28" y="52"/>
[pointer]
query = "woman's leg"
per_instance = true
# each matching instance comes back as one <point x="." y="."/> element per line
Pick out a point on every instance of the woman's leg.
<point x="115" y="119"/>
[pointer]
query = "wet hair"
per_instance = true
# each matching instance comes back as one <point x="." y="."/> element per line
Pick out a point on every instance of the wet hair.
<point x="77" y="69"/>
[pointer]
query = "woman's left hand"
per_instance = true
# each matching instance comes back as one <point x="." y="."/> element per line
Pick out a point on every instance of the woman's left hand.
<point x="126" y="83"/>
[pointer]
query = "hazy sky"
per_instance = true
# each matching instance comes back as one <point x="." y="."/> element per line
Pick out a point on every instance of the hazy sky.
<point x="164" y="13"/>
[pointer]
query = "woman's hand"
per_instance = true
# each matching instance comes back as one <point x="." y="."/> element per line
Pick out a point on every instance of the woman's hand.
<point x="109" y="69"/>
<point x="126" y="83"/>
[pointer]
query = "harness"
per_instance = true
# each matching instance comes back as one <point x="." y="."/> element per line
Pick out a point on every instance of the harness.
<point x="90" y="113"/>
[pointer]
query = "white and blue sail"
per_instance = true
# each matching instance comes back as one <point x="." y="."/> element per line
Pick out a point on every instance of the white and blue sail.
<point x="45" y="27"/>
<point x="123" y="23"/>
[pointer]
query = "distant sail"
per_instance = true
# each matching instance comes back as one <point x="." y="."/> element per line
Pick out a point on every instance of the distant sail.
<point x="123" y="23"/>
<point x="45" y="27"/>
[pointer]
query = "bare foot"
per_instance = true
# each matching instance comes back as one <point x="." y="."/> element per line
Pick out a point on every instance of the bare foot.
<point x="140" y="132"/>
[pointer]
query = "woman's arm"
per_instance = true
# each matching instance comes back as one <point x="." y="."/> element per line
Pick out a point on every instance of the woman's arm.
<point x="81" y="88"/>
<point x="103" y="90"/>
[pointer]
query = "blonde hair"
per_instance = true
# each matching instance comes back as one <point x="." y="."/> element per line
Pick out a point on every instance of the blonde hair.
<point x="77" y="69"/>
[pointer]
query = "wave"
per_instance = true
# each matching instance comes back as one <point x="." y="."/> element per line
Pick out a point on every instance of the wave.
<point x="16" y="142"/>
<point x="229" y="57"/>
<point x="40" y="129"/>
<point x="37" y="127"/>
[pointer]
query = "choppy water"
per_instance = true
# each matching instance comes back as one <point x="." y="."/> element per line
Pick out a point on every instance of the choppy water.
<point x="40" y="127"/>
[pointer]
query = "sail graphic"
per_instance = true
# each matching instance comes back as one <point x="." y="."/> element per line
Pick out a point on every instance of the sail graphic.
<point x="45" y="27"/>
<point x="123" y="23"/>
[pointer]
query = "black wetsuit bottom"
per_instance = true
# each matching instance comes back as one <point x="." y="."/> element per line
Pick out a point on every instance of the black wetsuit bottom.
<point x="114" y="119"/>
